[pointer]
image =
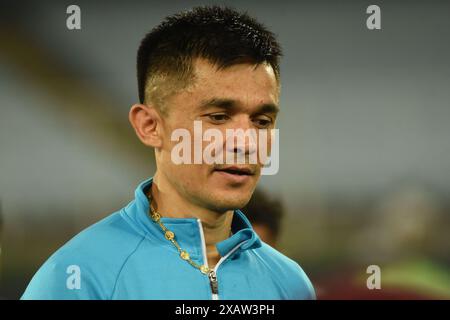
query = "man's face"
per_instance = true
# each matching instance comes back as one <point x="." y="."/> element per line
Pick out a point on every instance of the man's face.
<point x="243" y="96"/>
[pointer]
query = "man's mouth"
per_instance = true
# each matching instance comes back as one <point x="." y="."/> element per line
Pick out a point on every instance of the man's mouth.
<point x="241" y="171"/>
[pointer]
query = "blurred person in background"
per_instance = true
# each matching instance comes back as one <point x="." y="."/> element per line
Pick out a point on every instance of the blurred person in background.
<point x="266" y="216"/>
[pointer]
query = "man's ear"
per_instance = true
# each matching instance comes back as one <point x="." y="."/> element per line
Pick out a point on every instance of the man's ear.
<point x="147" y="123"/>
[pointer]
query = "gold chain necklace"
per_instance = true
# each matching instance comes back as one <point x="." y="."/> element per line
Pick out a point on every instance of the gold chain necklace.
<point x="169" y="235"/>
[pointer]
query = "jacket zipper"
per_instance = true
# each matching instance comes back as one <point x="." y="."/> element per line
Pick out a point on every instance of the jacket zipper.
<point x="212" y="275"/>
<point x="214" y="284"/>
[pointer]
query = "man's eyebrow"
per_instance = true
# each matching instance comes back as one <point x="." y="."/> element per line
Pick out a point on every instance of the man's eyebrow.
<point x="268" y="108"/>
<point x="231" y="104"/>
<point x="218" y="102"/>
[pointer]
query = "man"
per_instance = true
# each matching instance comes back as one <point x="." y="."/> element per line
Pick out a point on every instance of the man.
<point x="265" y="213"/>
<point x="183" y="237"/>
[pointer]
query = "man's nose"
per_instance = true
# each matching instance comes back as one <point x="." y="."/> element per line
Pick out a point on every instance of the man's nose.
<point x="243" y="139"/>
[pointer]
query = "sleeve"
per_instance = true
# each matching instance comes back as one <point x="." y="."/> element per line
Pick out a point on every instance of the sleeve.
<point x="62" y="280"/>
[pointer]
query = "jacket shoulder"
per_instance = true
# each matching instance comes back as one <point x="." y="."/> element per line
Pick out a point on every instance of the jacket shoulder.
<point x="87" y="266"/>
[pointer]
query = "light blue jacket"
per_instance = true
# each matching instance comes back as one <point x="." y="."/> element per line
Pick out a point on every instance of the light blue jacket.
<point x="126" y="256"/>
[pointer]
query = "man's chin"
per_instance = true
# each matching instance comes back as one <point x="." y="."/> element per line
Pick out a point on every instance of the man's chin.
<point x="229" y="202"/>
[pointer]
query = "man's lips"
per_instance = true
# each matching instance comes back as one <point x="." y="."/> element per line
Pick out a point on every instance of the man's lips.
<point x="237" y="170"/>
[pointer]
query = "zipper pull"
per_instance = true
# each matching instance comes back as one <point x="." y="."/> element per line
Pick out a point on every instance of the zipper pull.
<point x="213" y="281"/>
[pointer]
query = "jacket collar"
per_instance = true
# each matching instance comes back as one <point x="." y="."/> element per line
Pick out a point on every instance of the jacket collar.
<point x="187" y="230"/>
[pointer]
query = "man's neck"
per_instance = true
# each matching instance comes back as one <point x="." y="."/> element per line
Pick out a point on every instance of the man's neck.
<point x="216" y="225"/>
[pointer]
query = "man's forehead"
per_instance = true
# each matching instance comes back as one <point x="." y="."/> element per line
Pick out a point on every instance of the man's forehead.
<point x="204" y="68"/>
<point x="243" y="83"/>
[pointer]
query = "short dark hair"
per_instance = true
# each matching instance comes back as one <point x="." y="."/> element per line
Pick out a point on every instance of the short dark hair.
<point x="221" y="35"/>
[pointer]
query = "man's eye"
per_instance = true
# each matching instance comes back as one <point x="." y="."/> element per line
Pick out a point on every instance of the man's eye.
<point x="263" y="122"/>
<point x="218" y="117"/>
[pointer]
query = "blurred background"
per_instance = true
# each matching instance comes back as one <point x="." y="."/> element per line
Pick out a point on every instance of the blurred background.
<point x="365" y="137"/>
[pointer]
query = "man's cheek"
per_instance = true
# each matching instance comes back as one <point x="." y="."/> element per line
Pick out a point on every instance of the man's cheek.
<point x="264" y="150"/>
